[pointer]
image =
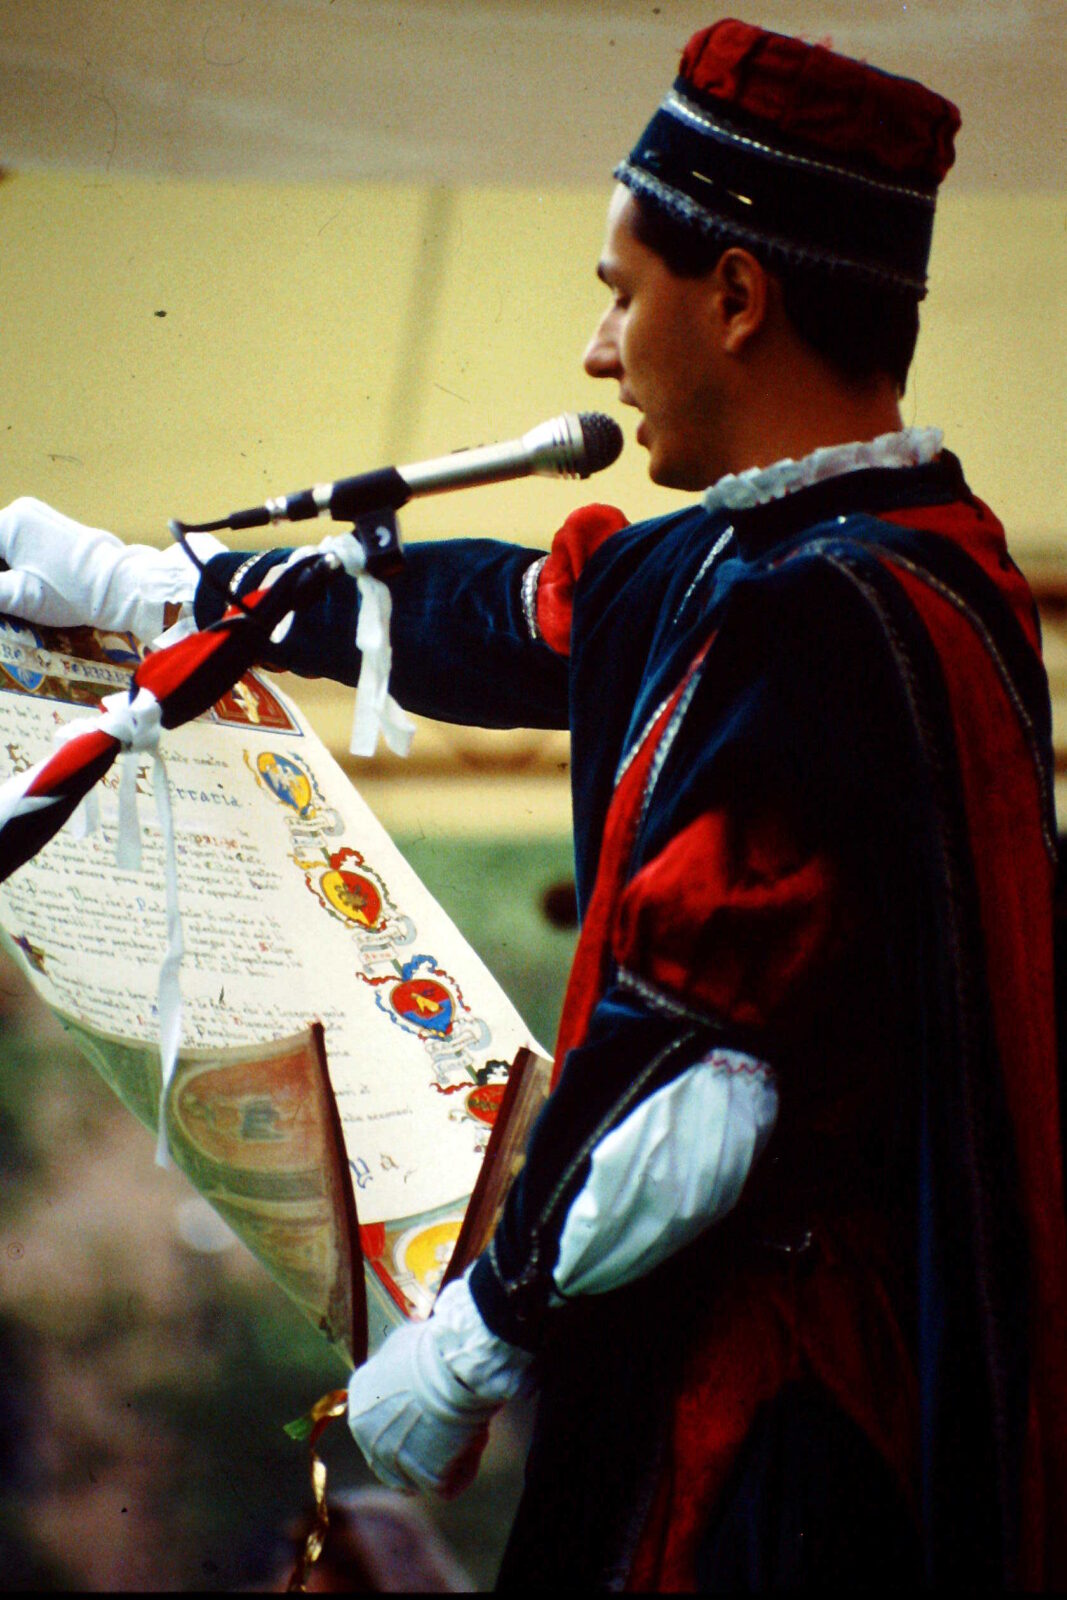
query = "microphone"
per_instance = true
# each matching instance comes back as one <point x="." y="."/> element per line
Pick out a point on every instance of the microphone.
<point x="569" y="446"/>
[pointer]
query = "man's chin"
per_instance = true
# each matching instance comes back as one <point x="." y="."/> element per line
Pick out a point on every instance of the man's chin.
<point x="670" y="474"/>
<point x="668" y="468"/>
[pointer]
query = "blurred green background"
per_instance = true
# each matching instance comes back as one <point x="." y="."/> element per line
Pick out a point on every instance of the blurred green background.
<point x="146" y="1366"/>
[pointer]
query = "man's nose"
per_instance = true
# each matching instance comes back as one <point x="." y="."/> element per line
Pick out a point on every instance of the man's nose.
<point x="601" y="359"/>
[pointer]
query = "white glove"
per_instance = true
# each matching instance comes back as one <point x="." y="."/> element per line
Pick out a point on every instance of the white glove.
<point x="419" y="1409"/>
<point x="64" y="574"/>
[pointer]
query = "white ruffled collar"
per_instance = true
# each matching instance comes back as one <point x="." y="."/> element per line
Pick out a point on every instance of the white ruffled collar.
<point x="739" y="491"/>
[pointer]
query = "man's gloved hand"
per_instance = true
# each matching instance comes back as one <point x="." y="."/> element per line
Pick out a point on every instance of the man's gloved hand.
<point x="64" y="574"/>
<point x="420" y="1408"/>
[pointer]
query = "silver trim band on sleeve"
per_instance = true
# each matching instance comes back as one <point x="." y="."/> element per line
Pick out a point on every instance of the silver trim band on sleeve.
<point x="530" y="580"/>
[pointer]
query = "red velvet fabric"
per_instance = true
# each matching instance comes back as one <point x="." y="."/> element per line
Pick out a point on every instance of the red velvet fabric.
<point x="580" y="536"/>
<point x="814" y="96"/>
<point x="976" y="530"/>
<point x="1015" y="892"/>
<point x="731" y="918"/>
<point x="831" y="1321"/>
<point x="586" y="982"/>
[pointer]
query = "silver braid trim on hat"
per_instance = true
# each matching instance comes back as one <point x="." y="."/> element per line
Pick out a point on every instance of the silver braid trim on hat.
<point x="687" y="210"/>
<point x="676" y="105"/>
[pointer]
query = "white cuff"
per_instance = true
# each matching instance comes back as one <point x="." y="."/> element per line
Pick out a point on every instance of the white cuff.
<point x="488" y="1366"/>
<point x="675" y="1165"/>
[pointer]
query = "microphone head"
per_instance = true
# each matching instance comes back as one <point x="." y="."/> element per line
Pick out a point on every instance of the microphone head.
<point x="602" y="441"/>
<point x="570" y="446"/>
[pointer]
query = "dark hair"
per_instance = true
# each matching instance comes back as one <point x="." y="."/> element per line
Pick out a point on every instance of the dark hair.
<point x="861" y="328"/>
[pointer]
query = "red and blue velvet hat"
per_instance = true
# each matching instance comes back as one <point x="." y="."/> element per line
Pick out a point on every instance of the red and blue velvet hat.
<point x="809" y="154"/>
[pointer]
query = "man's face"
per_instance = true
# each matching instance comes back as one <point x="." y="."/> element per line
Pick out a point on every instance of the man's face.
<point x="656" y="340"/>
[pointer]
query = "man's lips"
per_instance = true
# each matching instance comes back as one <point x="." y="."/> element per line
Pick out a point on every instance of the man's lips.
<point x="628" y="400"/>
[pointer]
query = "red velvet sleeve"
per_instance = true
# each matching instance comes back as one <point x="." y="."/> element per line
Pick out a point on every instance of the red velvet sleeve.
<point x="579" y="538"/>
<point x="734" y="918"/>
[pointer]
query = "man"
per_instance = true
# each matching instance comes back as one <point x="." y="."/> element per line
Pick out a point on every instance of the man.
<point x="786" y="1258"/>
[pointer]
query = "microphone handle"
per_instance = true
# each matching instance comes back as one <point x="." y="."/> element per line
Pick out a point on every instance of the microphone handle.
<point x="347" y="499"/>
<point x="469" y="469"/>
<point x="391" y="487"/>
<point x="555" y="449"/>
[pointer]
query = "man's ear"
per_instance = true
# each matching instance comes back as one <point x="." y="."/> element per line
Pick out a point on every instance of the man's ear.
<point x="740" y="286"/>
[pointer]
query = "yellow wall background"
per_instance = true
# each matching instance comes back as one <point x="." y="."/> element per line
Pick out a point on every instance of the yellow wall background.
<point x="313" y="331"/>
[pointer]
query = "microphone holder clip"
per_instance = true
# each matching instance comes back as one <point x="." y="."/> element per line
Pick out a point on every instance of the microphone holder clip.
<point x="379" y="535"/>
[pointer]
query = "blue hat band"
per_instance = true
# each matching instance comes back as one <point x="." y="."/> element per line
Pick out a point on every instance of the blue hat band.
<point x="720" y="178"/>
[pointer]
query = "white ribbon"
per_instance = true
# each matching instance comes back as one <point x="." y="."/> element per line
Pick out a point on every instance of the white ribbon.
<point x="136" y="725"/>
<point x="85" y="819"/>
<point x="375" y="710"/>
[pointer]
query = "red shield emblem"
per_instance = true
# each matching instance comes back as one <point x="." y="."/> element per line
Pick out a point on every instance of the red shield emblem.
<point x="424" y="1002"/>
<point x="483" y="1103"/>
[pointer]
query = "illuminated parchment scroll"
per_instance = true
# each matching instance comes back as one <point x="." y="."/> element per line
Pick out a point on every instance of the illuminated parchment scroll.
<point x="296" y="908"/>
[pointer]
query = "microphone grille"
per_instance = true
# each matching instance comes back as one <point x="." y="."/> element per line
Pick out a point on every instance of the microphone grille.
<point x="602" y="438"/>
